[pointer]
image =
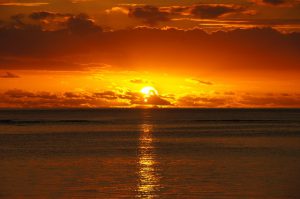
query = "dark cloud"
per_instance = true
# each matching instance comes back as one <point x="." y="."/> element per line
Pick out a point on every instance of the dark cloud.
<point x="137" y="98"/>
<point x="284" y="3"/>
<point x="210" y="11"/>
<point x="71" y="95"/>
<point x="274" y="2"/>
<point x="80" y="41"/>
<point x="75" y="23"/>
<point x="176" y="10"/>
<point x="204" y="82"/>
<point x="275" y="100"/>
<point x="150" y="15"/>
<point x="25" y="99"/>
<point x="21" y="98"/>
<point x="16" y="93"/>
<point x="39" y="63"/>
<point x="46" y="15"/>
<point x="18" y="19"/>
<point x="202" y="101"/>
<point x="110" y="95"/>
<point x="157" y="100"/>
<point x="270" y="101"/>
<point x="9" y="75"/>
<point x="81" y="24"/>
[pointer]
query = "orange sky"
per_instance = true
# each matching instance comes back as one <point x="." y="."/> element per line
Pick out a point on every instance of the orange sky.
<point x="90" y="53"/>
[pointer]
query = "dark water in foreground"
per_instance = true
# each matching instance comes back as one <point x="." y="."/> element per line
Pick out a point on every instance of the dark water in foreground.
<point x="167" y="153"/>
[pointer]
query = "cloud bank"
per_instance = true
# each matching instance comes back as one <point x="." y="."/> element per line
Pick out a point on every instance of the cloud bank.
<point x="74" y="40"/>
<point x="24" y="99"/>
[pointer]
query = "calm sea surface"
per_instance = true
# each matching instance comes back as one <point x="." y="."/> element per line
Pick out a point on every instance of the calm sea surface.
<point x="150" y="153"/>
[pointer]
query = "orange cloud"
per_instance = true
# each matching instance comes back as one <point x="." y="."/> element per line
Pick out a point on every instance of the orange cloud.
<point x="198" y="81"/>
<point x="25" y="99"/>
<point x="117" y="9"/>
<point x="232" y="100"/>
<point x="139" y="81"/>
<point x="202" y="101"/>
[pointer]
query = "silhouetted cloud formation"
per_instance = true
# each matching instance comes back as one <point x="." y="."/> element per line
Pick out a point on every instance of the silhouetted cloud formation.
<point x="274" y="2"/>
<point x="152" y="15"/>
<point x="32" y="47"/>
<point x="239" y="101"/>
<point x="20" y="98"/>
<point x="271" y="101"/>
<point x="288" y="3"/>
<point x="46" y="15"/>
<point x="202" y="101"/>
<point x="45" y="20"/>
<point x="81" y="24"/>
<point x="156" y="100"/>
<point x="210" y="11"/>
<point x="149" y="14"/>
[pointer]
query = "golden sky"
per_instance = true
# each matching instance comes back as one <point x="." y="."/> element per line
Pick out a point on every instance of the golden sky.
<point x="102" y="53"/>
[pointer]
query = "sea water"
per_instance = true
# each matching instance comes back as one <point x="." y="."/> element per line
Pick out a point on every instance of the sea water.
<point x="150" y="153"/>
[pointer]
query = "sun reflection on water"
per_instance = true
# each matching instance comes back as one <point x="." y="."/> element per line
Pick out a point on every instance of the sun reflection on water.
<point x="148" y="185"/>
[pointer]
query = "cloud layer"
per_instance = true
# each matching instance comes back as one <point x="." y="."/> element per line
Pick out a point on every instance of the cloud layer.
<point x="25" y="99"/>
<point x="152" y="15"/>
<point x="78" y="40"/>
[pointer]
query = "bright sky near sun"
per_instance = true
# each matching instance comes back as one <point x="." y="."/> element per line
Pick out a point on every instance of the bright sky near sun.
<point x="91" y="53"/>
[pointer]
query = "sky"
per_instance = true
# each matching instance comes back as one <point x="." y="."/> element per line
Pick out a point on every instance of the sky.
<point x="102" y="53"/>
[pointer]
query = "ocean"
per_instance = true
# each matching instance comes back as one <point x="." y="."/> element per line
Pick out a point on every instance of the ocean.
<point x="150" y="153"/>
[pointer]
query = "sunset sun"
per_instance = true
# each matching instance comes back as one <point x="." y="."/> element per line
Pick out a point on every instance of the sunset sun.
<point x="149" y="91"/>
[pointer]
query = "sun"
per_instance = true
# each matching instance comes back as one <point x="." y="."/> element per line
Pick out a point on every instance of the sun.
<point x="148" y="91"/>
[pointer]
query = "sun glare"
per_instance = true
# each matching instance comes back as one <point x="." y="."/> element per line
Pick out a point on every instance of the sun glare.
<point x="149" y="91"/>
